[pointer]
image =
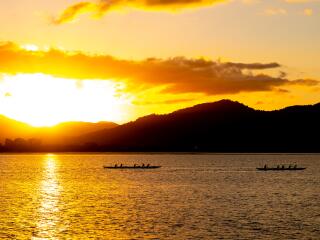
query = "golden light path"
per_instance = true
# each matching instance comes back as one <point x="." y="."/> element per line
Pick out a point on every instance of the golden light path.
<point x="48" y="212"/>
<point x="44" y="100"/>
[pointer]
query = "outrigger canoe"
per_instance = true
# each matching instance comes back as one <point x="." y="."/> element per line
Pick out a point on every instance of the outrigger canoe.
<point x="131" y="167"/>
<point x="281" y="169"/>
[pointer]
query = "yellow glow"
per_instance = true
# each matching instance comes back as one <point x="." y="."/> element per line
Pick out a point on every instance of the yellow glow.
<point x="43" y="100"/>
<point x="30" y="47"/>
<point x="48" y="212"/>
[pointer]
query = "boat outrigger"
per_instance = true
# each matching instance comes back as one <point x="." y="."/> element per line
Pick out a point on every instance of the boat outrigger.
<point x="282" y="168"/>
<point x="148" y="166"/>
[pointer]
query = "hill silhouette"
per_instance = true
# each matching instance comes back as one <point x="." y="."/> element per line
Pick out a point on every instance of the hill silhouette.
<point x="61" y="133"/>
<point x="223" y="126"/>
<point x="10" y="128"/>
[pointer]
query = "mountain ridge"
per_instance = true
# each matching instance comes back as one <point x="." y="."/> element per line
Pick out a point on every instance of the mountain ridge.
<point x="190" y="130"/>
<point x="222" y="126"/>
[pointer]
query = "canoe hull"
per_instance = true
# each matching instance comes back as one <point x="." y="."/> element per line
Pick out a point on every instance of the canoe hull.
<point x="127" y="167"/>
<point x="281" y="169"/>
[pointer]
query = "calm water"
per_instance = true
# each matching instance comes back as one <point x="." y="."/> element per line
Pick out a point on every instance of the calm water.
<point x="190" y="197"/>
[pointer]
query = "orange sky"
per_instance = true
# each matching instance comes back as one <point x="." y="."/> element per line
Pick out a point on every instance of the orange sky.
<point x="69" y="60"/>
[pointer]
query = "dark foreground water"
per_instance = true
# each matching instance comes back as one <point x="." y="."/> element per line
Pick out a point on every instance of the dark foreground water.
<point x="191" y="197"/>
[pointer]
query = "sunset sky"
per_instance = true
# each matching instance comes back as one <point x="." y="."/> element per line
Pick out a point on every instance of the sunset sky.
<point x="67" y="60"/>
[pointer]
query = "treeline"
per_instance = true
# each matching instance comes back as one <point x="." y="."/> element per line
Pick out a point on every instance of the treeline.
<point x="20" y="145"/>
<point x="36" y="145"/>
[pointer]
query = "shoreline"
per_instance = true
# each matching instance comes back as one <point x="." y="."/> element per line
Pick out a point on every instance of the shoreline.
<point x="153" y="153"/>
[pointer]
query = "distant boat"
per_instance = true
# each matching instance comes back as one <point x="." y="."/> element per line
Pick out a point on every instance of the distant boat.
<point x="282" y="168"/>
<point x="132" y="167"/>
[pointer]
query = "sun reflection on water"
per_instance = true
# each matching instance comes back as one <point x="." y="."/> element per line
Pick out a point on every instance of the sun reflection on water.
<point x="49" y="191"/>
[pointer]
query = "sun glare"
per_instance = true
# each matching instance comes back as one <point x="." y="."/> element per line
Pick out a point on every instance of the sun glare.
<point x="30" y="47"/>
<point x="44" y="100"/>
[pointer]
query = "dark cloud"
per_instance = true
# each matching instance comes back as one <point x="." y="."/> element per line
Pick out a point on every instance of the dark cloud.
<point x="306" y="82"/>
<point x="281" y="90"/>
<point x="75" y="10"/>
<point x="253" y="66"/>
<point x="102" y="7"/>
<point x="282" y="74"/>
<point x="174" y="75"/>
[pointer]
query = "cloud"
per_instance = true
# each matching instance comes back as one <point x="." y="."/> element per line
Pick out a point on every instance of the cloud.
<point x="305" y="82"/>
<point x="102" y="7"/>
<point x="282" y="74"/>
<point x="74" y="11"/>
<point x="280" y="90"/>
<point x="253" y="66"/>
<point x="173" y="75"/>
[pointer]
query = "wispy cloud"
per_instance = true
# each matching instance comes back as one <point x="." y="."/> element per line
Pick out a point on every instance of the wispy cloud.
<point x="74" y="11"/>
<point x="102" y="7"/>
<point x="173" y="75"/>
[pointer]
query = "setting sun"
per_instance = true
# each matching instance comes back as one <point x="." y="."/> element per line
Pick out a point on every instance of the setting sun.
<point x="30" y="47"/>
<point x="43" y="100"/>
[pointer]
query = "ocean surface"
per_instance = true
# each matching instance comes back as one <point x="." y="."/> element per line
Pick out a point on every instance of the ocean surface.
<point x="71" y="196"/>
